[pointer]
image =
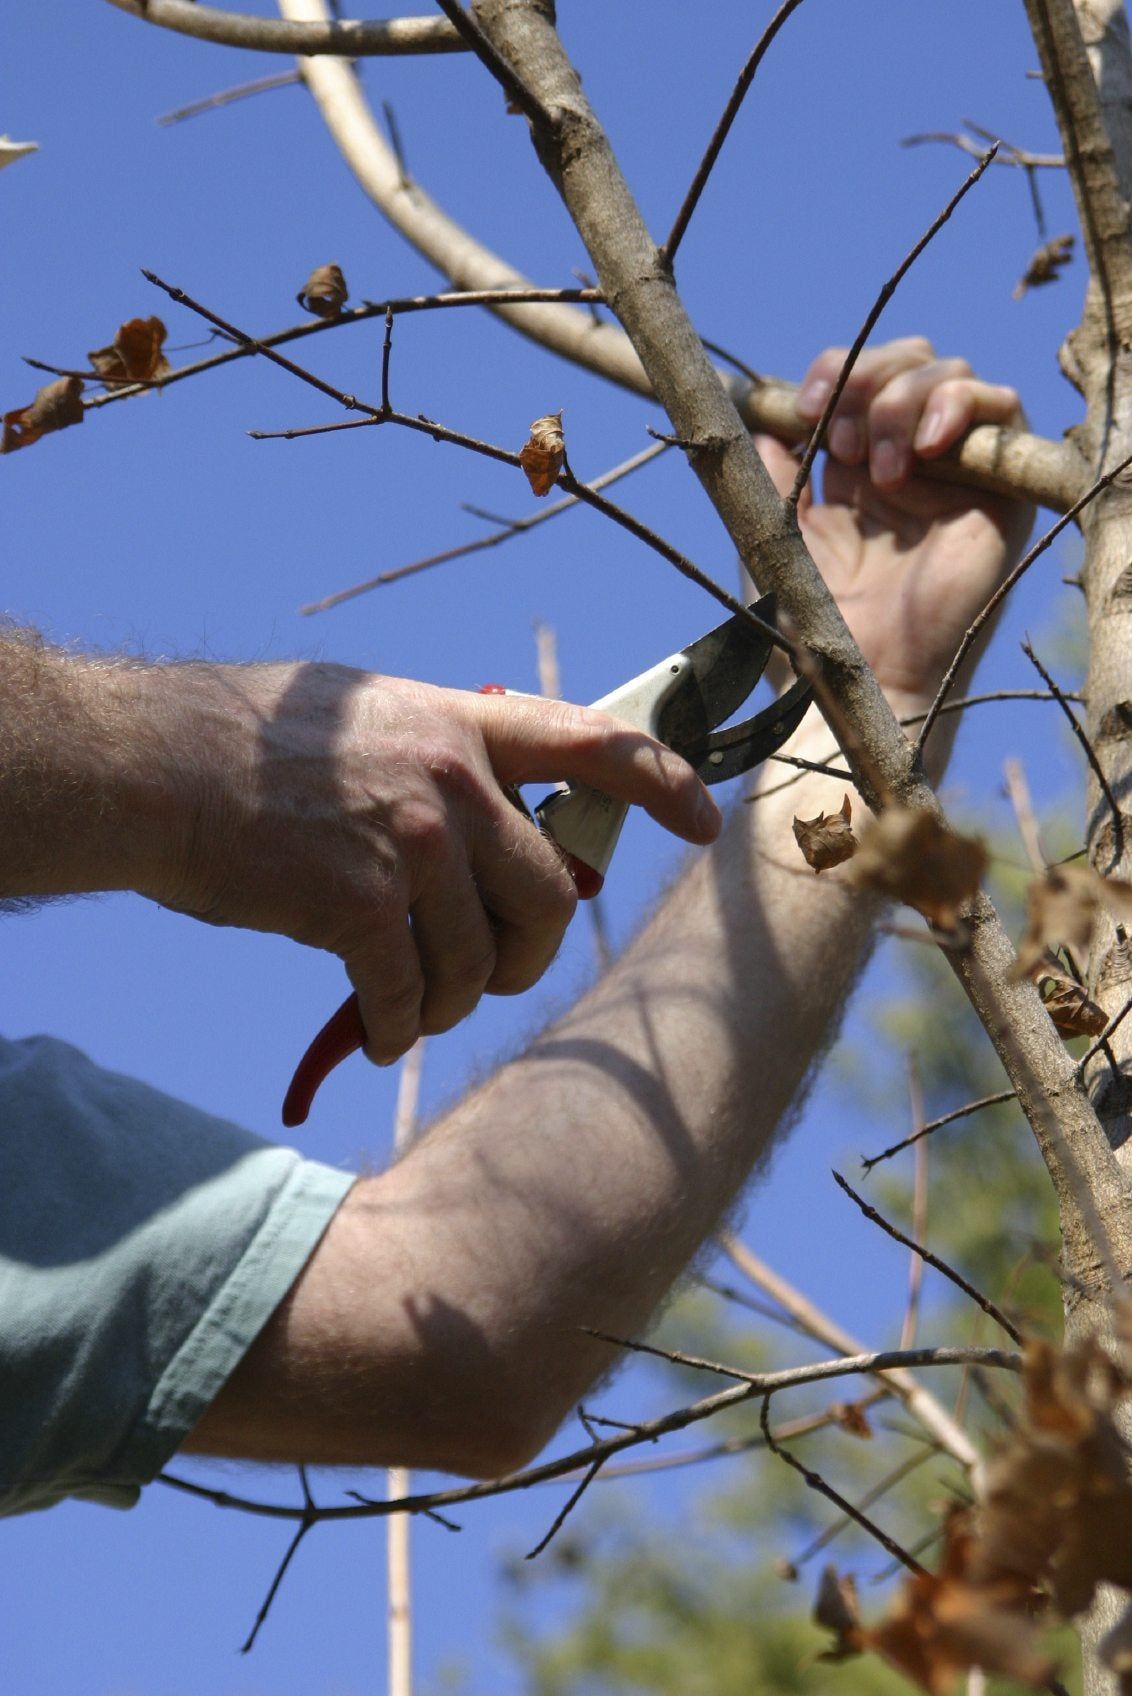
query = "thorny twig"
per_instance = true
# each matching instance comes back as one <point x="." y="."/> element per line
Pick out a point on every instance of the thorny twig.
<point x="817" y="437"/>
<point x="935" y="1260"/>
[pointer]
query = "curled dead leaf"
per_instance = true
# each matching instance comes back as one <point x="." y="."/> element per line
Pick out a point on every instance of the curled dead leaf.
<point x="54" y="407"/>
<point x="912" y="857"/>
<point x="542" y="455"/>
<point x="1071" y="1010"/>
<point x="944" y="1623"/>
<point x="324" y="293"/>
<point x="836" y="1609"/>
<point x="851" y="1417"/>
<point x="134" y="356"/>
<point x="827" y="840"/>
<point x="1045" y="265"/>
<point x="1061" y="906"/>
<point x="1057" y="1507"/>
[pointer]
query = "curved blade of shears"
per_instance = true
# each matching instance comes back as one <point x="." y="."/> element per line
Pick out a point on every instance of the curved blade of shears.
<point x="725" y="666"/>
<point x="722" y="754"/>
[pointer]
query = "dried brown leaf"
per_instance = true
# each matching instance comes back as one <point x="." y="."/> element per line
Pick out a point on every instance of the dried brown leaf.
<point x="542" y="455"/>
<point x="1045" y="265"/>
<point x="836" y="1609"/>
<point x="54" y="407"/>
<point x="827" y="840"/>
<point x="914" y="858"/>
<point x="1061" y="906"/>
<point x="851" y="1417"/>
<point x="134" y="356"/>
<point x="943" y="1624"/>
<point x="1058" y="1500"/>
<point x="324" y="293"/>
<point x="1071" y="1010"/>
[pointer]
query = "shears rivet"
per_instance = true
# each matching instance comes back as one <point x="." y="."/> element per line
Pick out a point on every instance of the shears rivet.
<point x="715" y="758"/>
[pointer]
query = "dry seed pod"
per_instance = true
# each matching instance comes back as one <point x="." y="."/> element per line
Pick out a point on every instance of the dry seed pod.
<point x="54" y="407"/>
<point x="324" y="293"/>
<point x="542" y="455"/>
<point x="134" y="355"/>
<point x="828" y="839"/>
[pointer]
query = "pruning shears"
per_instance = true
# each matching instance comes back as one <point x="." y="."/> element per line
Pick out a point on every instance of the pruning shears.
<point x="680" y="702"/>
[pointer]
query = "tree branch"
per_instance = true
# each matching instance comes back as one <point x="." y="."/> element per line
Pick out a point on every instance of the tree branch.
<point x="349" y="39"/>
<point x="1000" y="461"/>
<point x="639" y="289"/>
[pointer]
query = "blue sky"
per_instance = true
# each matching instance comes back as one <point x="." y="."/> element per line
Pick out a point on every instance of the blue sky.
<point x="161" y="529"/>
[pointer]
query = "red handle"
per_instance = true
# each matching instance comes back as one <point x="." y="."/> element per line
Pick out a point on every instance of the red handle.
<point x="340" y="1035"/>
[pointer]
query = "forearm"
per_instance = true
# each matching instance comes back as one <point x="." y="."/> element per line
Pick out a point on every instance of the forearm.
<point x="574" y="1187"/>
<point x="84" y="791"/>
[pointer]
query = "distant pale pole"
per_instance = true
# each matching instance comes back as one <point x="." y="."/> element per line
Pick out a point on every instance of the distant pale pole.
<point x="397" y="1478"/>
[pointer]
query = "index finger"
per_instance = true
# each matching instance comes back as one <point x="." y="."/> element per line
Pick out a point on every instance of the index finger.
<point x="529" y="740"/>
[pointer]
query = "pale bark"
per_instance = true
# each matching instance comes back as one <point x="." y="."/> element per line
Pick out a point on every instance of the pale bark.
<point x="266" y="35"/>
<point x="1087" y="63"/>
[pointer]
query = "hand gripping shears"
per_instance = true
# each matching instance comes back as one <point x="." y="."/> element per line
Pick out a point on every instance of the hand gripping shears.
<point x="679" y="702"/>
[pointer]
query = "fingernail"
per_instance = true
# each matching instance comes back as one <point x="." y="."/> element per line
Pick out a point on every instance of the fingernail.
<point x="845" y="440"/>
<point x="886" y="463"/>
<point x="709" y="819"/>
<point x="930" y="431"/>
<point x="813" y="396"/>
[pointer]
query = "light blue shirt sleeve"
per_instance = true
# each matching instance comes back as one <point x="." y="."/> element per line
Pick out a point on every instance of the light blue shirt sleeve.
<point x="143" y="1246"/>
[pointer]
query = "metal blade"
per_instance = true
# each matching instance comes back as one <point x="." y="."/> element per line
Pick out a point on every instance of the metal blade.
<point x="726" y="665"/>
<point x="728" y="753"/>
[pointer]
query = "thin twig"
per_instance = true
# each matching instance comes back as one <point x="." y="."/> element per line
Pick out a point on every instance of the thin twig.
<point x="1089" y="751"/>
<point x="817" y="1482"/>
<point x="940" y="1265"/>
<point x="212" y="102"/>
<point x="1004" y="589"/>
<point x="887" y="1360"/>
<point x="924" y="1407"/>
<point x="969" y="1107"/>
<point x="509" y="527"/>
<point x="307" y="1520"/>
<point x="1116" y="1020"/>
<point x="817" y="437"/>
<point x="722" y="129"/>
<point x="512" y="84"/>
<point x="881" y="1488"/>
<point x="919" y="1208"/>
<point x="1019" y="792"/>
<point x="561" y="1518"/>
<point x="355" y="315"/>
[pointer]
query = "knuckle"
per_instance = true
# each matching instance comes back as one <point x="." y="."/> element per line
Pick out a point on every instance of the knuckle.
<point x="916" y="347"/>
<point x="423" y="828"/>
